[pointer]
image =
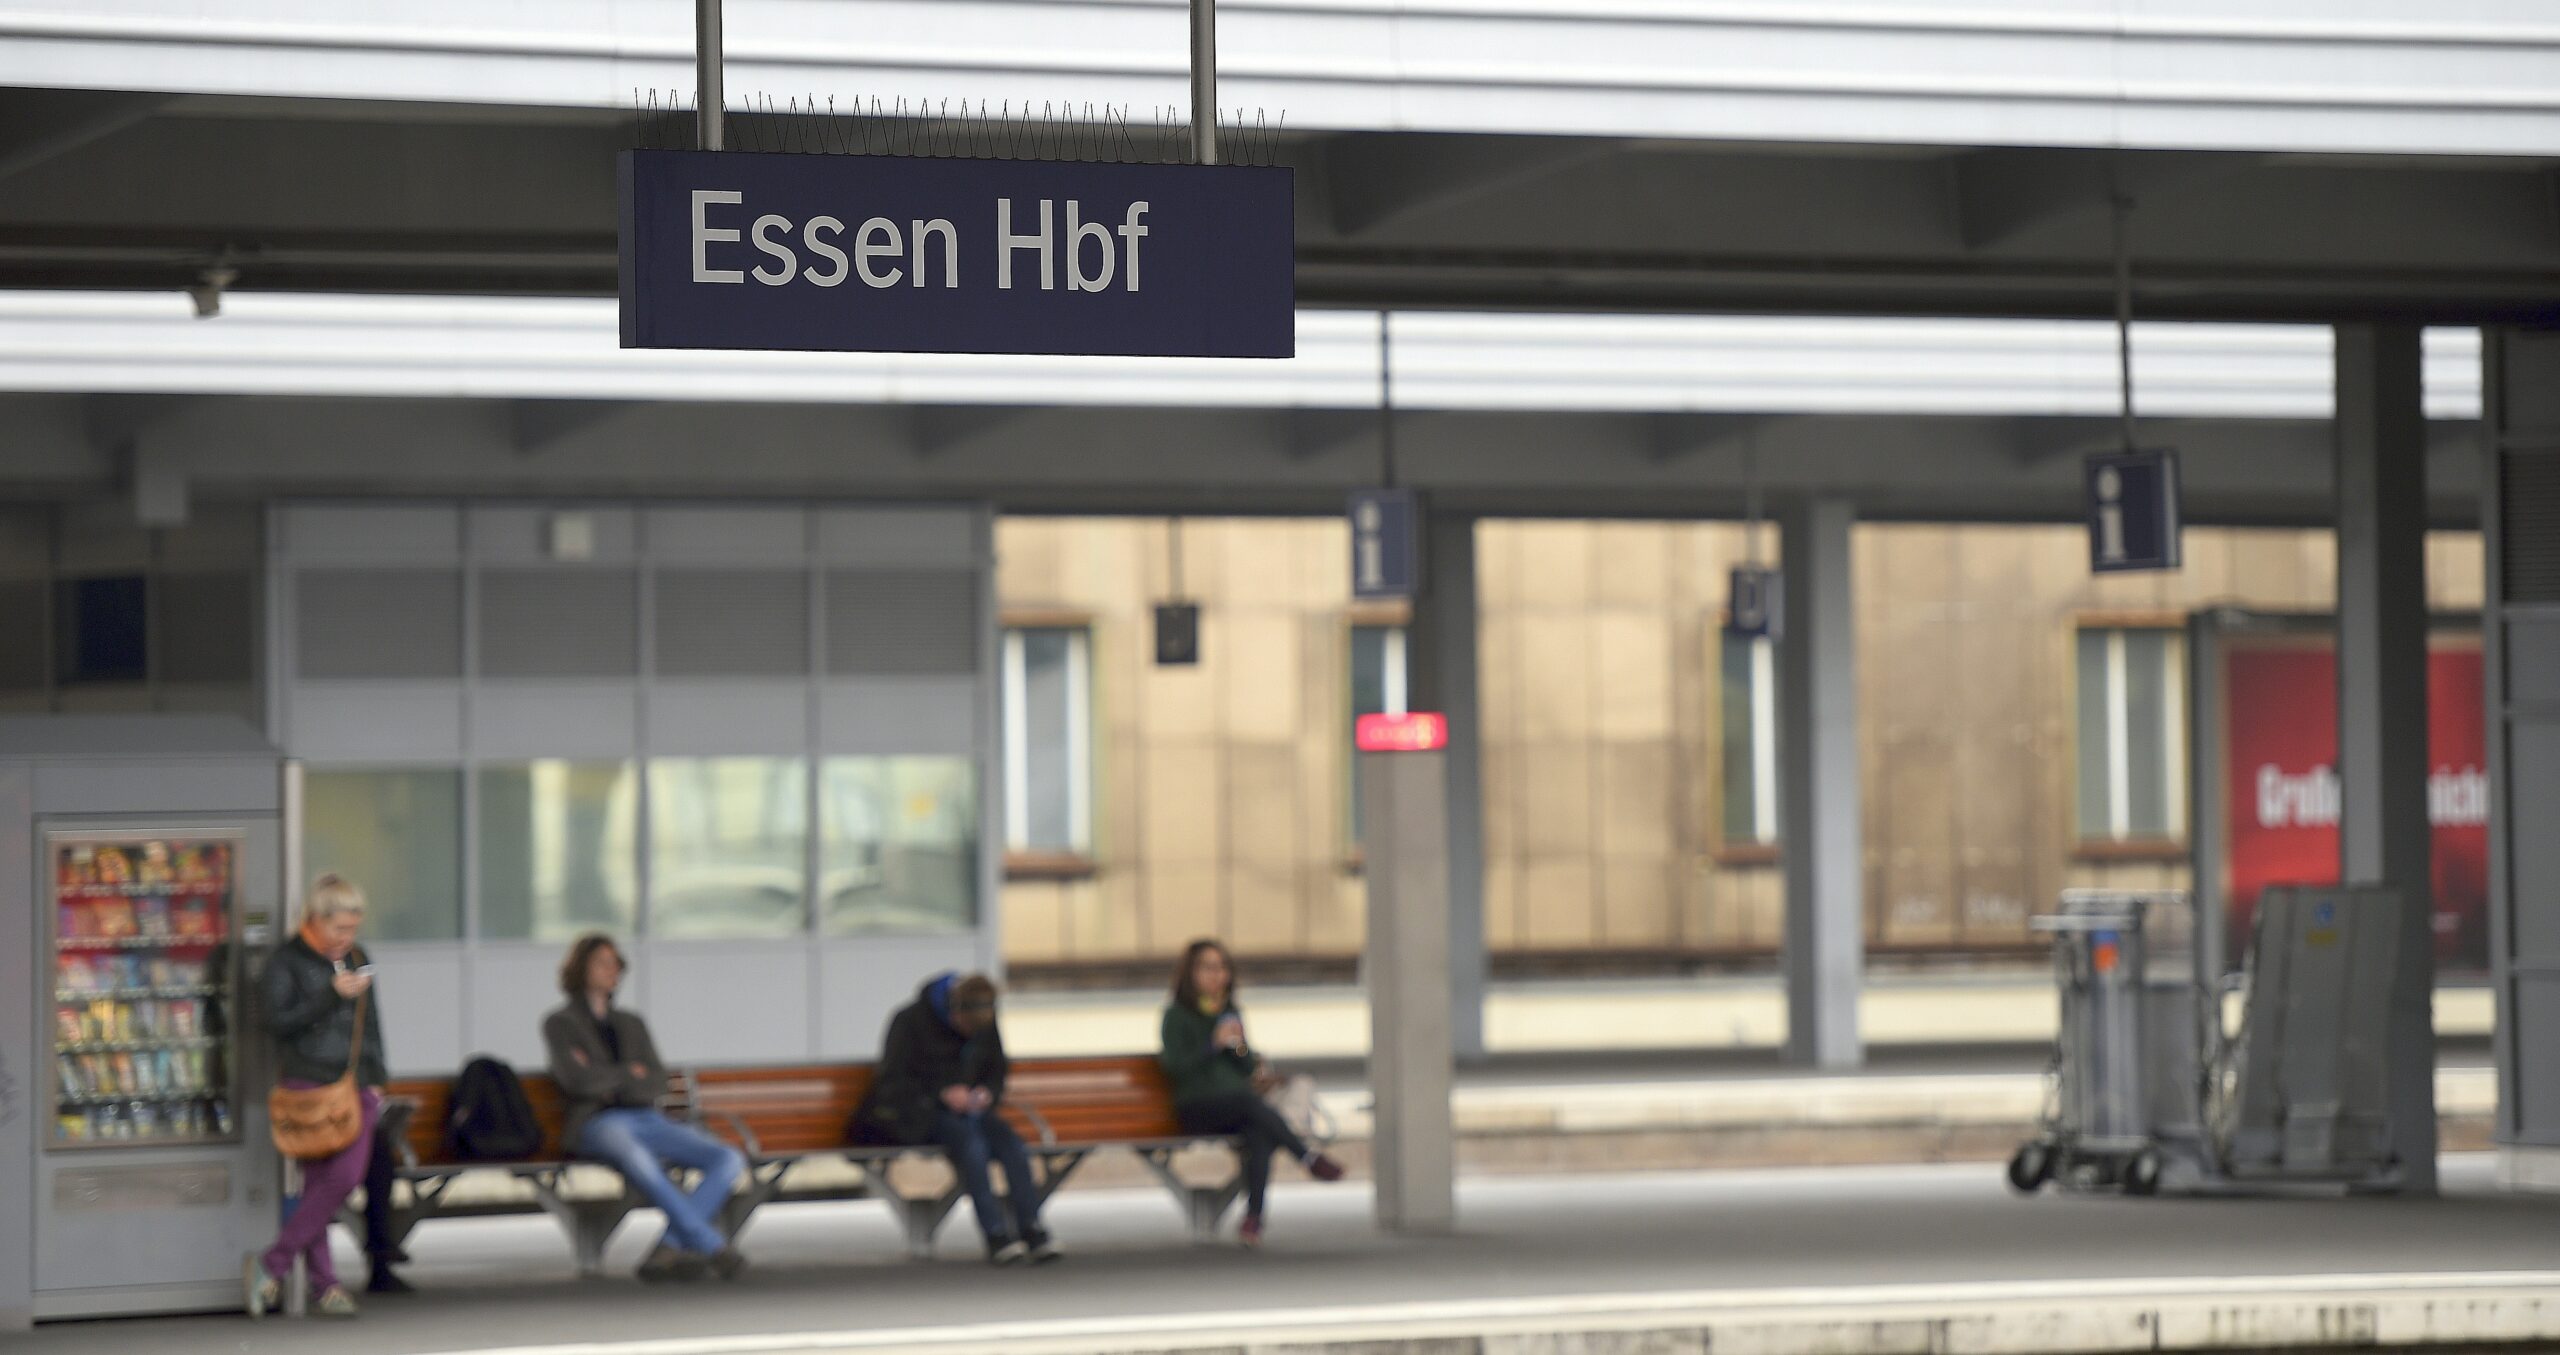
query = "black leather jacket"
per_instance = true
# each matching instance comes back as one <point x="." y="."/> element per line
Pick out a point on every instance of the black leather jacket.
<point x="311" y="1024"/>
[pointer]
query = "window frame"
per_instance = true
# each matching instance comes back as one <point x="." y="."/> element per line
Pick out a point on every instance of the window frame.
<point x="1764" y="846"/>
<point x="1395" y="697"/>
<point x="2119" y="841"/>
<point x="1022" y="858"/>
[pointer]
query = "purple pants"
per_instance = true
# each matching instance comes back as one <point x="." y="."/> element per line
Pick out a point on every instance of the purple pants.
<point x="326" y="1184"/>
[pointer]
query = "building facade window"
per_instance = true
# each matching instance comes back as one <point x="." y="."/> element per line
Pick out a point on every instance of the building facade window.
<point x="1048" y="740"/>
<point x="396" y="832"/>
<point x="101" y="619"/>
<point x="1748" y="692"/>
<point x="2131" y="699"/>
<point x="1379" y="686"/>
<point x="102" y="630"/>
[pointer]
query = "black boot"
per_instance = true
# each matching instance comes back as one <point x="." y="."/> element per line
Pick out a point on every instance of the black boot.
<point x="384" y="1281"/>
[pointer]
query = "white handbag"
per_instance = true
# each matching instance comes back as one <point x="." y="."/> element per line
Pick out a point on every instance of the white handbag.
<point x="1296" y="1101"/>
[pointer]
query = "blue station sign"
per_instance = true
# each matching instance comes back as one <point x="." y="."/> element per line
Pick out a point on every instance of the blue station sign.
<point x="872" y="253"/>
<point x="2133" y="511"/>
<point x="1755" y="600"/>
<point x="1386" y="544"/>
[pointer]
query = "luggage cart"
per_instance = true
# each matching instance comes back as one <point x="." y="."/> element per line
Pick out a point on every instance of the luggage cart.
<point x="2097" y="1129"/>
<point x="2149" y="1091"/>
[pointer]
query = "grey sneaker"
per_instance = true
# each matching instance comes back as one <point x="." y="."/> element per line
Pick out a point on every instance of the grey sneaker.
<point x="1010" y="1252"/>
<point x="1044" y="1250"/>
<point x="262" y="1293"/>
<point x="335" y="1303"/>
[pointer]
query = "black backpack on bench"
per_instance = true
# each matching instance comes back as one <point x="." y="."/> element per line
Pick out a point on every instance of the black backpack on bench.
<point x="491" y="1120"/>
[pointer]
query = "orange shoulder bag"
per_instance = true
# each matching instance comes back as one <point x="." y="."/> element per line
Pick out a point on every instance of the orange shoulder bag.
<point x="311" y="1123"/>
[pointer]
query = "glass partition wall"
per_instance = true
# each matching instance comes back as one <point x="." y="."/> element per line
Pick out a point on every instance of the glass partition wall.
<point x="748" y="722"/>
<point x="716" y="848"/>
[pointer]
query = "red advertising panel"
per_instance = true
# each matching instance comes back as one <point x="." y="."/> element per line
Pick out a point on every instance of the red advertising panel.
<point x="2280" y="757"/>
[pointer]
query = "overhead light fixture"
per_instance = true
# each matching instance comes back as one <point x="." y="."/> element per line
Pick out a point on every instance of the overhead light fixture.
<point x="207" y="291"/>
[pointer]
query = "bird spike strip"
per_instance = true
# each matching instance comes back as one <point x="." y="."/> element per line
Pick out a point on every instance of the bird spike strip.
<point x="805" y="124"/>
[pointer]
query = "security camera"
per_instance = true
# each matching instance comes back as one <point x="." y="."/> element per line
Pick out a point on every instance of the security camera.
<point x="207" y="291"/>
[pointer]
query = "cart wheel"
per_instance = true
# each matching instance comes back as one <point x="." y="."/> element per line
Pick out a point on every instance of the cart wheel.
<point x="2142" y="1174"/>
<point x="2030" y="1168"/>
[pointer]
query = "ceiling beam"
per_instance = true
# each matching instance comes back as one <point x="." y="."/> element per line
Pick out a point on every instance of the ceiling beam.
<point x="1376" y="180"/>
<point x="64" y="122"/>
<point x="2006" y="195"/>
<point x="1678" y="436"/>
<point x="935" y="430"/>
<point x="1312" y="434"/>
<point x="2036" y="443"/>
<point x="116" y="423"/>
<point x="539" y="426"/>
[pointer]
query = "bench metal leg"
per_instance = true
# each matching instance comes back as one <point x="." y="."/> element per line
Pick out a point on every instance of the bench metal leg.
<point x="1204" y="1207"/>
<point x="1055" y="1168"/>
<point x="590" y="1224"/>
<point x="921" y="1219"/>
<point x="403" y="1219"/>
<point x="758" y="1188"/>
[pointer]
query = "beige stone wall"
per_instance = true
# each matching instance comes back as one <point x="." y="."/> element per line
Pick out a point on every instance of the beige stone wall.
<point x="1220" y="797"/>
<point x="1218" y="804"/>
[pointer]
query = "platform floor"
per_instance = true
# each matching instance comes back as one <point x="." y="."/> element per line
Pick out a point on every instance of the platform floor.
<point x="832" y="1275"/>
<point x="1695" y="1016"/>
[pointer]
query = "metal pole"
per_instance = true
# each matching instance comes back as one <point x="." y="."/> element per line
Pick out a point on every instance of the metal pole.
<point x="1204" y="81"/>
<point x="2123" y="207"/>
<point x="709" y="99"/>
<point x="1386" y="406"/>
<point x="1751" y="497"/>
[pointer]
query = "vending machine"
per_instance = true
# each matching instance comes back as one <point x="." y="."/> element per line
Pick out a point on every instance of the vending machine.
<point x="139" y="866"/>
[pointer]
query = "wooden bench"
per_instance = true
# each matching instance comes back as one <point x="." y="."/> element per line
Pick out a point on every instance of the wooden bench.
<point x="789" y="1121"/>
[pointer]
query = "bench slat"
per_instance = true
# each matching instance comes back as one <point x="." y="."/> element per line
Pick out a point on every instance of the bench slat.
<point x="802" y="1108"/>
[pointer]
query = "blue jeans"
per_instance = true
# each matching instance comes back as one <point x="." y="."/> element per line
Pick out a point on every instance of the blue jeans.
<point x="643" y="1144"/>
<point x="973" y="1141"/>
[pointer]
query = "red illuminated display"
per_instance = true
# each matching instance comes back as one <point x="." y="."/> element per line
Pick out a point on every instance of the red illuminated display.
<point x="1419" y="732"/>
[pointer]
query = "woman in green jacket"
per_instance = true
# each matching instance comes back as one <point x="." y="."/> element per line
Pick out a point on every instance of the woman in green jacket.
<point x="1219" y="1082"/>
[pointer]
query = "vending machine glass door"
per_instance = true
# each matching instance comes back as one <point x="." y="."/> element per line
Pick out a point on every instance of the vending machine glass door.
<point x="144" y="969"/>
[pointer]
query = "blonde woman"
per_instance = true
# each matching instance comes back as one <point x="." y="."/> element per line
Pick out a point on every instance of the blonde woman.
<point x="311" y="987"/>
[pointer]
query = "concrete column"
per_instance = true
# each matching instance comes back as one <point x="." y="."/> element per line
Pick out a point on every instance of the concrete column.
<point x="22" y="1114"/>
<point x="1413" y="1138"/>
<point x="1440" y="659"/>
<point x="2520" y="627"/>
<point x="1818" y="802"/>
<point x="2383" y="832"/>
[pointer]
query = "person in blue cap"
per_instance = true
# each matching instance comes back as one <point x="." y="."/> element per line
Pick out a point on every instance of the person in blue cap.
<point x="940" y="1081"/>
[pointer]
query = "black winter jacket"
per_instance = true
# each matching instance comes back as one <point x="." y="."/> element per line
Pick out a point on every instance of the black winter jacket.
<point x="312" y="1025"/>
<point x="922" y="1055"/>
